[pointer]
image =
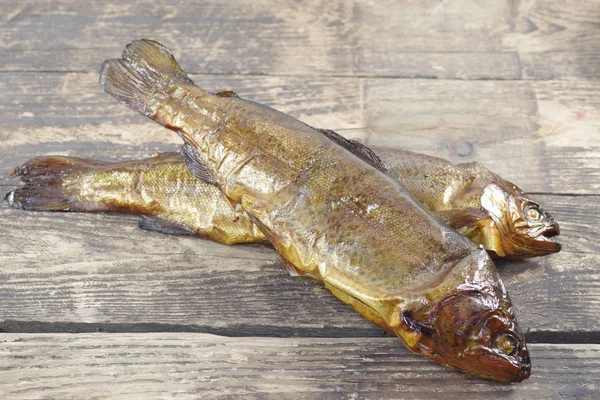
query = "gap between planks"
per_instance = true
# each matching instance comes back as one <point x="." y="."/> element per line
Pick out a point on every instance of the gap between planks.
<point x="312" y="76"/>
<point x="97" y="269"/>
<point x="265" y="331"/>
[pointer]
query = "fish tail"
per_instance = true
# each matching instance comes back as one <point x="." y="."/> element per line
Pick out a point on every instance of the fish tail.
<point x="45" y="188"/>
<point x="145" y="71"/>
<point x="52" y="168"/>
<point x="39" y="198"/>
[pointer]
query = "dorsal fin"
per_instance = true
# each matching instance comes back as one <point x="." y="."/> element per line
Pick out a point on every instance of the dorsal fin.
<point x="356" y="148"/>
<point x="227" y="93"/>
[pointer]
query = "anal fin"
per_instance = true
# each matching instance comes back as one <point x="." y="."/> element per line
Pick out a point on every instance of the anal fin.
<point x="157" y="224"/>
<point x="194" y="164"/>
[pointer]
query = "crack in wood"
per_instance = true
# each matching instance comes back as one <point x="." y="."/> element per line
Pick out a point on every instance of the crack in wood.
<point x="270" y="331"/>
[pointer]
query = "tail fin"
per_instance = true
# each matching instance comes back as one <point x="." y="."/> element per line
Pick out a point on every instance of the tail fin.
<point x="51" y="168"/>
<point x="44" y="178"/>
<point x="145" y="69"/>
<point x="39" y="198"/>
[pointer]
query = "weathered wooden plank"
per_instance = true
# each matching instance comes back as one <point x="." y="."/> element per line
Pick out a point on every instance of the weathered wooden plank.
<point x="70" y="269"/>
<point x="101" y="366"/>
<point x="542" y="135"/>
<point x="80" y="273"/>
<point x="505" y="39"/>
<point x="72" y="99"/>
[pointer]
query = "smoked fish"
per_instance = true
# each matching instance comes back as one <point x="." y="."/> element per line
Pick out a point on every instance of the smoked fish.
<point x="476" y="202"/>
<point x="468" y="197"/>
<point x="335" y="216"/>
<point x="161" y="189"/>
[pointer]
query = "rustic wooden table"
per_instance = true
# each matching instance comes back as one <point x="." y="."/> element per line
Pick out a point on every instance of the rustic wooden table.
<point x="93" y="307"/>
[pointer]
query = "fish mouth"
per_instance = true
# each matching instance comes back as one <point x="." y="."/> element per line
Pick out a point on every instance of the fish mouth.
<point x="549" y="234"/>
<point x="530" y="244"/>
<point x="507" y="371"/>
<point x="544" y="245"/>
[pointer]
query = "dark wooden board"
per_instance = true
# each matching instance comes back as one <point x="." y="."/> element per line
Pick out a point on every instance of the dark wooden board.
<point x="185" y="365"/>
<point x="61" y="271"/>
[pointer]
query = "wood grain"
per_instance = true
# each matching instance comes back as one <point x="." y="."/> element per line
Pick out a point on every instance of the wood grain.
<point x="512" y="83"/>
<point x="98" y="269"/>
<point x="461" y="39"/>
<point x="100" y="366"/>
<point x="541" y="135"/>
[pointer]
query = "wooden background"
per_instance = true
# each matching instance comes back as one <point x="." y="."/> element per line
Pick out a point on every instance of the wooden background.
<point x="92" y="307"/>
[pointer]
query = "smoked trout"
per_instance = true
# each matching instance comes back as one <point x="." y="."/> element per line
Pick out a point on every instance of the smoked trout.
<point x="335" y="216"/>
<point x="161" y="189"/>
<point x="476" y="202"/>
<point x="468" y="197"/>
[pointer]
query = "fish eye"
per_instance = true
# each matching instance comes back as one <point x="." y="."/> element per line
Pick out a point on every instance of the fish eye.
<point x="533" y="213"/>
<point x="507" y="344"/>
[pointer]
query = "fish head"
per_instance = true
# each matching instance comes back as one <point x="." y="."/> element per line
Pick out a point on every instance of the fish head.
<point x="476" y="332"/>
<point x="523" y="227"/>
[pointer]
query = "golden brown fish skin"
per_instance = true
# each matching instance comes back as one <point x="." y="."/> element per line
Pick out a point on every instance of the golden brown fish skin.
<point x="160" y="187"/>
<point x="505" y="226"/>
<point x="333" y="217"/>
<point x="478" y="203"/>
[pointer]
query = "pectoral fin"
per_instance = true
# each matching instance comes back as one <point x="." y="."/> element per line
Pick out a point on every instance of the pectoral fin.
<point x="418" y="335"/>
<point x="463" y="217"/>
<point x="163" y="226"/>
<point x="477" y="225"/>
